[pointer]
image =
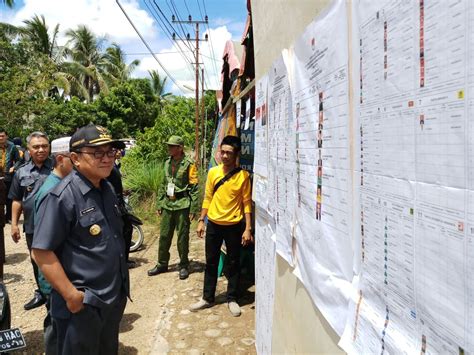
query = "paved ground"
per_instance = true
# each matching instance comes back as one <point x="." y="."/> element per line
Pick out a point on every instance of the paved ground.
<point x="157" y="321"/>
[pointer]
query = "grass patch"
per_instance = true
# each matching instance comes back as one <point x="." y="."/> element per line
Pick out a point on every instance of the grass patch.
<point x="144" y="180"/>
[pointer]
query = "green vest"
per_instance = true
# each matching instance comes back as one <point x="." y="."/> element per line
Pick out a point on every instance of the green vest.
<point x="186" y="194"/>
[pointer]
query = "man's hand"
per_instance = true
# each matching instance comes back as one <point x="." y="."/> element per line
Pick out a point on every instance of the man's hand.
<point x="158" y="212"/>
<point x="247" y="237"/>
<point x="192" y="216"/>
<point x="75" y="302"/>
<point x="16" y="235"/>
<point x="200" y="229"/>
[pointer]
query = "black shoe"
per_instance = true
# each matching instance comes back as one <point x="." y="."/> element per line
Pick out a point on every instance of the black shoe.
<point x="183" y="273"/>
<point x="131" y="264"/>
<point x="158" y="269"/>
<point x="37" y="301"/>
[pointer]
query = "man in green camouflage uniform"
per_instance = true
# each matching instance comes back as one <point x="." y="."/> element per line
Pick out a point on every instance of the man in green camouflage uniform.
<point x="177" y="205"/>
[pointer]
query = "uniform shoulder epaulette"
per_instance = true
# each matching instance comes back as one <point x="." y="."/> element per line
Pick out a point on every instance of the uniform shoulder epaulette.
<point x="60" y="187"/>
<point x="22" y="165"/>
<point x="189" y="159"/>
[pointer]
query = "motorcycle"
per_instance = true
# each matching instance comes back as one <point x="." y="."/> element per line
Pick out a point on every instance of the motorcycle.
<point x="10" y="338"/>
<point x="137" y="233"/>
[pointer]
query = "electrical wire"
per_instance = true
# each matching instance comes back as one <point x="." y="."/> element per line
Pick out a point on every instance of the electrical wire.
<point x="171" y="25"/>
<point x="187" y="8"/>
<point x="213" y="53"/>
<point x="156" y="53"/>
<point x="148" y="47"/>
<point x="169" y="34"/>
<point x="178" y="16"/>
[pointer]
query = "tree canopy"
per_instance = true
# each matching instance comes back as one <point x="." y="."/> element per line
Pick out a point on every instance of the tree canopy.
<point x="57" y="89"/>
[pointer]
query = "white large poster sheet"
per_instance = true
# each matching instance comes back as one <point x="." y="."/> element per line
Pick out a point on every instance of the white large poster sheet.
<point x="265" y="279"/>
<point x="415" y="290"/>
<point x="282" y="156"/>
<point x="261" y="158"/>
<point x="322" y="124"/>
<point x="261" y="118"/>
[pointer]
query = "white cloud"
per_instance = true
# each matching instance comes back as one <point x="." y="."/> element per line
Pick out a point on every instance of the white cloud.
<point x="182" y="71"/>
<point x="103" y="17"/>
<point x="221" y="21"/>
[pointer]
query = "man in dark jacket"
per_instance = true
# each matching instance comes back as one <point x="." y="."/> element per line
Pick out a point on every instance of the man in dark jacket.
<point x="8" y="156"/>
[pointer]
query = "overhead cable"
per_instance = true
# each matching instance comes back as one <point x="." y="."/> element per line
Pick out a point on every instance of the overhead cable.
<point x="149" y="49"/>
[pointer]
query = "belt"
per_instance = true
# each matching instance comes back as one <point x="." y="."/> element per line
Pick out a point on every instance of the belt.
<point x="178" y="195"/>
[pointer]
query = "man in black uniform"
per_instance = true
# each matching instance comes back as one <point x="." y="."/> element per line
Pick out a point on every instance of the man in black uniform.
<point x="26" y="182"/>
<point x="79" y="247"/>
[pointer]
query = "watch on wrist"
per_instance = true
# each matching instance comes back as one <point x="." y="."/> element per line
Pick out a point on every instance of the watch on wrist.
<point x="201" y="219"/>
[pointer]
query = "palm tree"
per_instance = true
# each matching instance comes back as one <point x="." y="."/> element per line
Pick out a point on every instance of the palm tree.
<point x="158" y="85"/>
<point x="85" y="50"/>
<point x="9" y="3"/>
<point x="44" y="41"/>
<point x="38" y="33"/>
<point x="114" y="63"/>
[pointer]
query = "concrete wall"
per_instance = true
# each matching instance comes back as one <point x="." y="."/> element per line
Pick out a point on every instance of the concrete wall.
<point x="276" y="24"/>
<point x="298" y="326"/>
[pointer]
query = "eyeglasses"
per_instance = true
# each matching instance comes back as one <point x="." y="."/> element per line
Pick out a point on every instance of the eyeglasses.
<point x="99" y="154"/>
<point x="38" y="146"/>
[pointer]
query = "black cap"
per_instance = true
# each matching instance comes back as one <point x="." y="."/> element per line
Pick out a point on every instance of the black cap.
<point x="93" y="136"/>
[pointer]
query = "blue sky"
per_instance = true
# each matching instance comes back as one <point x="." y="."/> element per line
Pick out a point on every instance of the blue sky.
<point x="105" y="18"/>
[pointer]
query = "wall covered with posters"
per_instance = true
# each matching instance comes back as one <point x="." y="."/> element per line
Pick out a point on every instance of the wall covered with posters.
<point x="364" y="177"/>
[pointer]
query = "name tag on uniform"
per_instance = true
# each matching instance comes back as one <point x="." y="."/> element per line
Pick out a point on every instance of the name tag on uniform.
<point x="87" y="210"/>
<point x="170" y="189"/>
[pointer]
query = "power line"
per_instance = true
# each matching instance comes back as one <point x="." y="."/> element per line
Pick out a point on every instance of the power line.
<point x="173" y="8"/>
<point x="196" y="63"/>
<point x="156" y="53"/>
<point x="168" y="33"/>
<point x="199" y="5"/>
<point x="187" y="8"/>
<point x="213" y="54"/>
<point x="203" y="4"/>
<point x="166" y="27"/>
<point x="148" y="47"/>
<point x="169" y="23"/>
<point x="168" y="52"/>
<point x="178" y="15"/>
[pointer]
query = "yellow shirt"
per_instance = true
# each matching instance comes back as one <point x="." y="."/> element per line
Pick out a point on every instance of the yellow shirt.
<point x="231" y="200"/>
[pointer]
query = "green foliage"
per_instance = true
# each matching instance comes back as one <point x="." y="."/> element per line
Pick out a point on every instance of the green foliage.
<point x="60" y="118"/>
<point x="176" y="118"/>
<point x="58" y="89"/>
<point x="144" y="178"/>
<point x="114" y="64"/>
<point x="131" y="103"/>
<point x="26" y="77"/>
<point x="158" y="84"/>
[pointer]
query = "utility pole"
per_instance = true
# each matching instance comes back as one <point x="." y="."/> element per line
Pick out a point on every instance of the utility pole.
<point x="197" y="39"/>
<point x="203" y="122"/>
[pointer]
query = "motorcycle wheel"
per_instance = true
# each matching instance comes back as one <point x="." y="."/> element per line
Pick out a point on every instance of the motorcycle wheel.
<point x="137" y="238"/>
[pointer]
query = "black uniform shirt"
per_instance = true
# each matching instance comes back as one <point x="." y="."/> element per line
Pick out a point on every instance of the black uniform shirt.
<point x="83" y="226"/>
<point x="26" y="183"/>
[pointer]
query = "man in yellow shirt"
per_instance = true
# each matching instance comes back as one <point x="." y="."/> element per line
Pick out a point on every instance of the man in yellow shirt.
<point x="227" y="206"/>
